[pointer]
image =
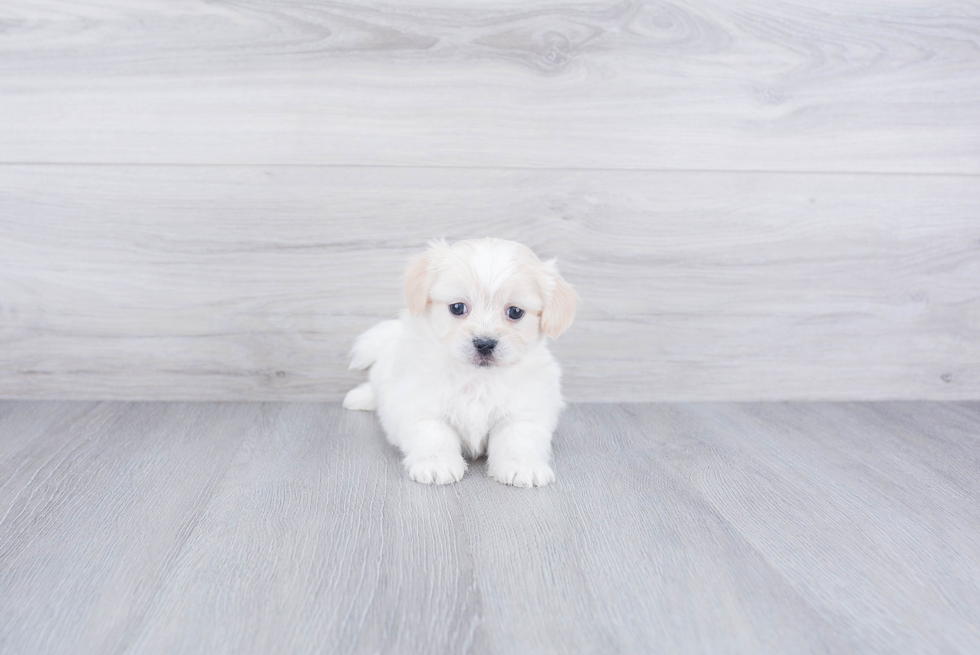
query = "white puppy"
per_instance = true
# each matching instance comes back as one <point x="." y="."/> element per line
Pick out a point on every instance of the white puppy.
<point x="466" y="370"/>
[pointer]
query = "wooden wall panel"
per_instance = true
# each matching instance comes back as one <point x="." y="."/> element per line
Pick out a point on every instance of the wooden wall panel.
<point x="191" y="282"/>
<point x="756" y="200"/>
<point x="706" y="85"/>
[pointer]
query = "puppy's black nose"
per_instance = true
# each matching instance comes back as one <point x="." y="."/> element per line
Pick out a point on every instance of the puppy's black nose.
<point x="484" y="346"/>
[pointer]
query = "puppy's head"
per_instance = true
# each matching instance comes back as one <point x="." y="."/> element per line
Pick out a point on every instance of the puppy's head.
<point x="488" y="300"/>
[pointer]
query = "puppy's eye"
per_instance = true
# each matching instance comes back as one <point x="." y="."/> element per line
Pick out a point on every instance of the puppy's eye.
<point x="515" y="313"/>
<point x="457" y="308"/>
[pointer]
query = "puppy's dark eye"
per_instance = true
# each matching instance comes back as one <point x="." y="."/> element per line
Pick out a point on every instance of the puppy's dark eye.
<point x="457" y="308"/>
<point x="515" y="313"/>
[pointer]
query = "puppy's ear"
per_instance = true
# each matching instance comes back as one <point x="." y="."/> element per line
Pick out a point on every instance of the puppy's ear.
<point x="420" y="275"/>
<point x="559" y="306"/>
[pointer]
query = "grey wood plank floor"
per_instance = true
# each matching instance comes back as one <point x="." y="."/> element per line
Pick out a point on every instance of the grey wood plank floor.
<point x="288" y="527"/>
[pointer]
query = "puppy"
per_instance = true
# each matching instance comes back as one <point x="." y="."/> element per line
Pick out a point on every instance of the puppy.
<point x="466" y="370"/>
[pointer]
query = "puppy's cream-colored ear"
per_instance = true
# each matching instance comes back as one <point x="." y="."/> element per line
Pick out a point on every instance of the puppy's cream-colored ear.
<point x="420" y="275"/>
<point x="559" y="307"/>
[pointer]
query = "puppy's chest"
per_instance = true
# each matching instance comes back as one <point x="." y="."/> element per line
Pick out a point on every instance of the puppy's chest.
<point x="474" y="410"/>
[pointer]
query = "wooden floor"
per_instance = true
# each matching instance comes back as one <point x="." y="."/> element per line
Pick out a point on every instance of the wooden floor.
<point x="221" y="527"/>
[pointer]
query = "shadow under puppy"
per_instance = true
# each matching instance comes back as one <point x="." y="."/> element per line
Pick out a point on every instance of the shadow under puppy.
<point x="466" y="370"/>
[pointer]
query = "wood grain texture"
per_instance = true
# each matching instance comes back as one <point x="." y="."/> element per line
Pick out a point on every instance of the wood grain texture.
<point x="147" y="474"/>
<point x="251" y="283"/>
<point x="238" y="528"/>
<point x="804" y="86"/>
<point x="825" y="480"/>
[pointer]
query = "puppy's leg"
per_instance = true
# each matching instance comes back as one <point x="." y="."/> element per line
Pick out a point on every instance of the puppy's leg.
<point x="432" y="452"/>
<point x="518" y="453"/>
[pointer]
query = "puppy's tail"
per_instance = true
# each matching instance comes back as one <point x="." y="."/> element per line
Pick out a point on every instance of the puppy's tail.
<point x="369" y="346"/>
<point x="366" y="351"/>
<point x="361" y="397"/>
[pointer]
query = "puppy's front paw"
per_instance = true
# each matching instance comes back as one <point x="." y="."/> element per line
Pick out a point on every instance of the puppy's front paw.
<point x="436" y="469"/>
<point x="521" y="473"/>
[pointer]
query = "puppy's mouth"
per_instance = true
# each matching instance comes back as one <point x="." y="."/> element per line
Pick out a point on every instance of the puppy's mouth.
<point x="485" y="361"/>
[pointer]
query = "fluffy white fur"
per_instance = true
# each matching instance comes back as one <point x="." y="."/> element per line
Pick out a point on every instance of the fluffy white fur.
<point x="439" y="399"/>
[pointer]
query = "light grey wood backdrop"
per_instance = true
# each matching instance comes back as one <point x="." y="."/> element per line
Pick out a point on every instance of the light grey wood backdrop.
<point x="756" y="200"/>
